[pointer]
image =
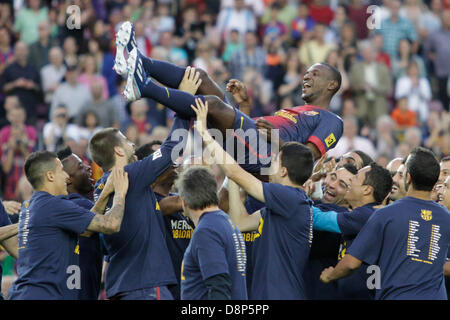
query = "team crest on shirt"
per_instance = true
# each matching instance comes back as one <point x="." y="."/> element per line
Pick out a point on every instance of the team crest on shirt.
<point x="311" y="113"/>
<point x="330" y="140"/>
<point x="426" y="215"/>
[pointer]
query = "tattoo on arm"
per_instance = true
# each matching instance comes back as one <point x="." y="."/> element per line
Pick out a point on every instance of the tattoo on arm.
<point x="110" y="222"/>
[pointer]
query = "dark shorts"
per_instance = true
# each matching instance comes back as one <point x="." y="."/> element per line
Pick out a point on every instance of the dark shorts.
<point x="251" y="150"/>
<point x="155" y="293"/>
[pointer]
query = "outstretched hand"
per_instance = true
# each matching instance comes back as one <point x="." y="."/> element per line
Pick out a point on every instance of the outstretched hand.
<point x="191" y="81"/>
<point x="201" y="112"/>
<point x="239" y="91"/>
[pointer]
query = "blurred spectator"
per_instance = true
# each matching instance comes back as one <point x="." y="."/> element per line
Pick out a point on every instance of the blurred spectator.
<point x="164" y="18"/>
<point x="315" y="50"/>
<point x="381" y="56"/>
<point x="17" y="141"/>
<point x="437" y="48"/>
<point x="336" y="61"/>
<point x="350" y="140"/>
<point x="403" y="60"/>
<point x="257" y="6"/>
<point x="6" y="52"/>
<point x="22" y="80"/>
<point x="139" y="119"/>
<point x="251" y="56"/>
<point x="235" y="44"/>
<point x="176" y="55"/>
<point x="274" y="28"/>
<point x="417" y="89"/>
<point x="357" y="12"/>
<point x="371" y="84"/>
<point x="286" y="13"/>
<point x="105" y="61"/>
<point x="339" y="20"/>
<point x="39" y="50"/>
<point x="413" y="137"/>
<point x="189" y="32"/>
<point x="119" y="101"/>
<point x="53" y="73"/>
<point x="58" y="130"/>
<point x="320" y="12"/>
<point x="6" y="17"/>
<point x="72" y="94"/>
<point x="430" y="20"/>
<point x="27" y="21"/>
<point x="396" y="28"/>
<point x="289" y="90"/>
<point x="205" y="57"/>
<point x="303" y="24"/>
<point x="90" y="124"/>
<point x="142" y="41"/>
<point x="347" y="44"/>
<point x="385" y="140"/>
<point x="104" y="108"/>
<point x="235" y="18"/>
<point x="402" y="115"/>
<point x="412" y="10"/>
<point x="260" y="92"/>
<point x="70" y="52"/>
<point x="90" y="75"/>
<point x="275" y="58"/>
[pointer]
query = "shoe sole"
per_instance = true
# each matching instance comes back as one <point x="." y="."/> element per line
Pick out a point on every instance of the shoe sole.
<point x="129" y="91"/>
<point x="122" y="39"/>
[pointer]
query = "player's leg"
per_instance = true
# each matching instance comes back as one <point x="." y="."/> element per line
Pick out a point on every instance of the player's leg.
<point x="164" y="72"/>
<point x="220" y="115"/>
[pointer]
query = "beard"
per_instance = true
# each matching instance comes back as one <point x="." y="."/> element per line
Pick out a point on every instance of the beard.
<point x="132" y="158"/>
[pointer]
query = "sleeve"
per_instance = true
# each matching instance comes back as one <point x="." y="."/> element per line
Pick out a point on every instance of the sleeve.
<point x="219" y="287"/>
<point x="211" y="254"/>
<point x="280" y="199"/>
<point x="325" y="220"/>
<point x="4" y="218"/>
<point x="367" y="245"/>
<point x="351" y="222"/>
<point x="327" y="133"/>
<point x="67" y="215"/>
<point x="144" y="172"/>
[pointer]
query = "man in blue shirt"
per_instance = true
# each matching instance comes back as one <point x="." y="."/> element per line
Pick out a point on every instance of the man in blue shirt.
<point x="406" y="241"/>
<point x="80" y="186"/>
<point x="177" y="227"/>
<point x="214" y="262"/>
<point x="49" y="225"/>
<point x="140" y="266"/>
<point x="367" y="189"/>
<point x="284" y="225"/>
<point x="8" y="237"/>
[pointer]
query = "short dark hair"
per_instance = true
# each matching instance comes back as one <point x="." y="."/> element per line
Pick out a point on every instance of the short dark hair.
<point x="37" y="164"/>
<point x="335" y="75"/>
<point x="350" y="167"/>
<point x="366" y="159"/>
<point x="146" y="149"/>
<point x="298" y="160"/>
<point x="102" y="146"/>
<point x="64" y="153"/>
<point x="381" y="181"/>
<point x="198" y="187"/>
<point x="423" y="168"/>
<point x="445" y="159"/>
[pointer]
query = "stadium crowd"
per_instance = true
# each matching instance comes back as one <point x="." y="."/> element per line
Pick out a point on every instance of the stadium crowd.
<point x="59" y="91"/>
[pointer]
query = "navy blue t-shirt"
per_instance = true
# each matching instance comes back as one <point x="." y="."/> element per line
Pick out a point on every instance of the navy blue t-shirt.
<point x="178" y="233"/>
<point x="138" y="253"/>
<point x="408" y="240"/>
<point x="216" y="247"/>
<point x="281" y="250"/>
<point x="4" y="221"/>
<point x="324" y="253"/>
<point x="91" y="257"/>
<point x="354" y="287"/>
<point x="48" y="247"/>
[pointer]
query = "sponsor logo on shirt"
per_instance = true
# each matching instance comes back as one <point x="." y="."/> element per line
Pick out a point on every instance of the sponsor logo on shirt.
<point x="250" y="236"/>
<point x="287" y="115"/>
<point x="330" y="140"/>
<point x="426" y="215"/>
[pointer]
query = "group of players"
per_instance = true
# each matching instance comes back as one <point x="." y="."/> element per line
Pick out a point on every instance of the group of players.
<point x="259" y="237"/>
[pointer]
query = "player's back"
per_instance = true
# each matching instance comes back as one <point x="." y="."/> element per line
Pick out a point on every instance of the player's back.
<point x="416" y="236"/>
<point x="308" y="124"/>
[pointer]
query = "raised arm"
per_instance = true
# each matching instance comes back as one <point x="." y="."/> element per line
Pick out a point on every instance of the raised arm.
<point x="11" y="245"/>
<point x="237" y="211"/>
<point x="344" y="268"/>
<point x="8" y="231"/>
<point x="230" y="167"/>
<point x="110" y="222"/>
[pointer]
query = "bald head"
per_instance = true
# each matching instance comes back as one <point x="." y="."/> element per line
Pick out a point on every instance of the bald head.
<point x="393" y="165"/>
